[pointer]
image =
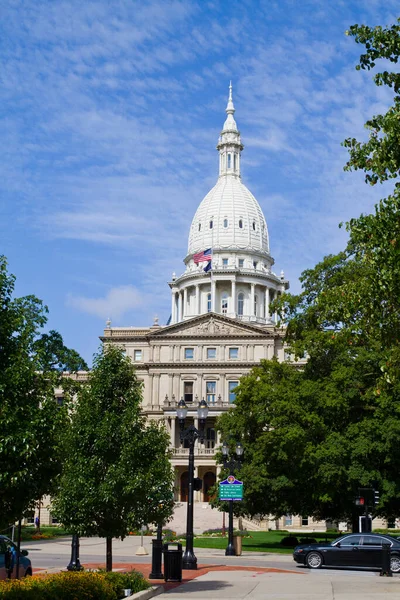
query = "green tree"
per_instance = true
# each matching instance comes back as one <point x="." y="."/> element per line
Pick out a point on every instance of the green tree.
<point x="117" y="474"/>
<point x="30" y="420"/>
<point x="313" y="435"/>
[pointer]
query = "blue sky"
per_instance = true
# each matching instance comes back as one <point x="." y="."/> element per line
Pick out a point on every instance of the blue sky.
<point x="110" y="114"/>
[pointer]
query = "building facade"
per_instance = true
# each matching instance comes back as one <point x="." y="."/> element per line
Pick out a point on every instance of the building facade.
<point x="220" y="325"/>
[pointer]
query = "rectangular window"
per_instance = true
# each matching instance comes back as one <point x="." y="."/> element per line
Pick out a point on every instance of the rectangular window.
<point x="210" y="389"/>
<point x="224" y="262"/>
<point x="30" y="517"/>
<point x="211" y="353"/>
<point x="137" y="355"/>
<point x="232" y="385"/>
<point x="288" y="520"/>
<point x="233" y="352"/>
<point x="304" y="521"/>
<point x="210" y="437"/>
<point x="188" y="391"/>
<point x="241" y="262"/>
<point x="255" y="263"/>
<point x="189" y="353"/>
<point x="54" y="520"/>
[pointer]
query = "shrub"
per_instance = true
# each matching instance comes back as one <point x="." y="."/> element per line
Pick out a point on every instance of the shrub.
<point x="213" y="531"/>
<point x="308" y="540"/>
<point x="133" y="580"/>
<point x="289" y="541"/>
<point x="61" y="586"/>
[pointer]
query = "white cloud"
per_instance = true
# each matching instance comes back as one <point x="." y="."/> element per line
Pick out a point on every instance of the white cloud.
<point x="115" y="304"/>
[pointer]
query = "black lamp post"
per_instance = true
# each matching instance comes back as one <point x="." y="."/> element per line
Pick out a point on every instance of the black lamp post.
<point x="190" y="435"/>
<point x="74" y="563"/>
<point x="232" y="463"/>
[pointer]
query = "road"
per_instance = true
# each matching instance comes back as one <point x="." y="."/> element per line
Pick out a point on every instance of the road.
<point x="55" y="555"/>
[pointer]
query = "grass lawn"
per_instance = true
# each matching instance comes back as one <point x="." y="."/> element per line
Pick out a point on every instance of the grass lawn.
<point x="46" y="533"/>
<point x="262" y="541"/>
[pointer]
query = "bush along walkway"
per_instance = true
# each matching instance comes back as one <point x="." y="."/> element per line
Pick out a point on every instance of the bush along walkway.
<point x="85" y="585"/>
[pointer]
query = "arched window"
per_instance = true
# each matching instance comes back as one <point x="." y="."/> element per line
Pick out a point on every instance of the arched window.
<point x="224" y="303"/>
<point x="225" y="223"/>
<point x="254" y="225"/>
<point x="240" y="304"/>
<point x="211" y="224"/>
<point x="255" y="305"/>
<point x="208" y="302"/>
<point x="229" y="161"/>
<point x="199" y="226"/>
<point x="240" y="224"/>
<point x="234" y="162"/>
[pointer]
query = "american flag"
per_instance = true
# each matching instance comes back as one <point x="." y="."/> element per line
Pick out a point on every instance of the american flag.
<point x="204" y="256"/>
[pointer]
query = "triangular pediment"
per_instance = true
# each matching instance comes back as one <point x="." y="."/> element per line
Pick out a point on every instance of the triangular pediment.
<point x="213" y="325"/>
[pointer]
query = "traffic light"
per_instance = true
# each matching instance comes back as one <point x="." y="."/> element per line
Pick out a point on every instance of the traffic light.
<point x="360" y="501"/>
<point x="197" y="484"/>
<point x="376" y="497"/>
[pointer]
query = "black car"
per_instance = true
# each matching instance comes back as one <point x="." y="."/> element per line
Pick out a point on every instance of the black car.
<point x="351" y="550"/>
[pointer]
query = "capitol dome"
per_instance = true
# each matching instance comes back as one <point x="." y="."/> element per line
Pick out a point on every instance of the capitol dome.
<point x="228" y="267"/>
<point x="229" y="217"/>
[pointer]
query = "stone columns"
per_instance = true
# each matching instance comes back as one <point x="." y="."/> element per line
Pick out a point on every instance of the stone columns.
<point x="213" y="292"/>
<point x="184" y="307"/>
<point x="252" y="295"/>
<point x="233" y="299"/>
<point x="173" y="307"/>
<point x="267" y="315"/>
<point x="197" y="299"/>
<point x="178" y="318"/>
<point x="173" y="430"/>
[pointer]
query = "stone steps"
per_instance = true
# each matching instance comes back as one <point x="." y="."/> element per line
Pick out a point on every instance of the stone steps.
<point x="204" y="518"/>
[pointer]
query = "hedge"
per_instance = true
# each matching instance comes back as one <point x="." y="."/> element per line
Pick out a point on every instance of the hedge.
<point x="71" y="586"/>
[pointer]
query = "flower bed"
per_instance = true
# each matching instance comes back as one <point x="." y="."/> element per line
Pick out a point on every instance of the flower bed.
<point x="71" y="586"/>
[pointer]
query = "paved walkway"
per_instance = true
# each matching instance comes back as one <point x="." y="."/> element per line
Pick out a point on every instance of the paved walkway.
<point x="259" y="585"/>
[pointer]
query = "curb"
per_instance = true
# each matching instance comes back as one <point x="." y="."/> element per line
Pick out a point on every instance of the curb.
<point x="145" y="594"/>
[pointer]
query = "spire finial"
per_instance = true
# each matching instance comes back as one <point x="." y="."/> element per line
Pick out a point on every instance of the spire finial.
<point x="230" y="109"/>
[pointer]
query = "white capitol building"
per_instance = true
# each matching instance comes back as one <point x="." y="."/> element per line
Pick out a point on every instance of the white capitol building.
<point x="220" y="327"/>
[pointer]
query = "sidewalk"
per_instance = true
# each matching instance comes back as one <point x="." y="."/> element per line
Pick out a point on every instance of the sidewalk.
<point x="256" y="585"/>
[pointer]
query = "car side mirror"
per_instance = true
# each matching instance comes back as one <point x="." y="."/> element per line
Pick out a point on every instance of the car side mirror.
<point x="24" y="552"/>
<point x="338" y="545"/>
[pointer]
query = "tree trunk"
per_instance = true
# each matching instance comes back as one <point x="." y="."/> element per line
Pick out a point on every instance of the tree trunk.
<point x="109" y="554"/>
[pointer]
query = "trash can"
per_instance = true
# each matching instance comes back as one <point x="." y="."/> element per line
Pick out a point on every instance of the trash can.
<point x="386" y="567"/>
<point x="173" y="562"/>
<point x="237" y="544"/>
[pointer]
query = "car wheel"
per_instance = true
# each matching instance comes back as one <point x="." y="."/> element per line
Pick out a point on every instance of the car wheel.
<point x="314" y="560"/>
<point x="395" y="564"/>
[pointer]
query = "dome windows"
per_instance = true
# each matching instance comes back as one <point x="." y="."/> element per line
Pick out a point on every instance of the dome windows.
<point x="199" y="226"/>
<point x="254" y="225"/>
<point x="240" y="224"/>
<point x="211" y="224"/>
<point x="225" y="223"/>
<point x="229" y="160"/>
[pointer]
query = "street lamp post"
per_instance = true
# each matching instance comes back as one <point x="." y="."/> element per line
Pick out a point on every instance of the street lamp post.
<point x="190" y="435"/>
<point x="232" y="463"/>
<point x="74" y="563"/>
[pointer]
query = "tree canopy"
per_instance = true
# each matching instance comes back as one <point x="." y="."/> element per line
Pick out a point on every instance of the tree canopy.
<point x="117" y="474"/>
<point x="315" y="433"/>
<point x="30" y="420"/>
